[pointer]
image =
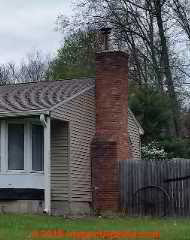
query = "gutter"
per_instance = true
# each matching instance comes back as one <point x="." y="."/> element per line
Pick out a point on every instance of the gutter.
<point x="24" y="113"/>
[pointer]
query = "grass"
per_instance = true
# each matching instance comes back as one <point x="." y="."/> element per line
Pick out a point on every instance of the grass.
<point x="19" y="227"/>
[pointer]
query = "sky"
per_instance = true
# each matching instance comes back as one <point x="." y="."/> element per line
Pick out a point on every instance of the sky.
<point x="27" y="26"/>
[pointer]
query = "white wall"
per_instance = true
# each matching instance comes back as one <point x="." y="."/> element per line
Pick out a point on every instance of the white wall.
<point x="22" y="180"/>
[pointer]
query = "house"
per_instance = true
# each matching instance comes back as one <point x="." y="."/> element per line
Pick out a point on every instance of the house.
<point x="46" y="134"/>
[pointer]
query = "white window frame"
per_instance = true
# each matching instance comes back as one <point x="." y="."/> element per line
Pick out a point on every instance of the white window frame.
<point x="27" y="145"/>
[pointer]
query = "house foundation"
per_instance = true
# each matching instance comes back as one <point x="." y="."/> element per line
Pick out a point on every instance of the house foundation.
<point x="69" y="209"/>
<point x="22" y="206"/>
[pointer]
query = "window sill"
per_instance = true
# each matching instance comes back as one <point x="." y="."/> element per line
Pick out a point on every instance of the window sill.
<point x="19" y="172"/>
<point x="15" y="172"/>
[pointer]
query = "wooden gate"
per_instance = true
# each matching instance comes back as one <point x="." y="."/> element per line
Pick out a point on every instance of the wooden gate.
<point x="156" y="188"/>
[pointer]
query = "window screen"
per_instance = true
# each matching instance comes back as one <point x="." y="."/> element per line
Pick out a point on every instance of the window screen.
<point x="15" y="146"/>
<point x="37" y="148"/>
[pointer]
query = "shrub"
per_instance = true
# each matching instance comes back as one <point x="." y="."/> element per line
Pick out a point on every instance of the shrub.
<point x="167" y="148"/>
<point x="153" y="151"/>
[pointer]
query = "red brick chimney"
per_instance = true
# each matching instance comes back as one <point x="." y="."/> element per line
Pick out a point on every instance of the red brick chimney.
<point x="111" y="141"/>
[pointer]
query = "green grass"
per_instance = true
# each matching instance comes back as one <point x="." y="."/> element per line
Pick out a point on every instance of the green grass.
<point x="19" y="227"/>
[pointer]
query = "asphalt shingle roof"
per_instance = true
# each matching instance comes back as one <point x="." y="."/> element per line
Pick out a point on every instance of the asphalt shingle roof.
<point x="39" y="95"/>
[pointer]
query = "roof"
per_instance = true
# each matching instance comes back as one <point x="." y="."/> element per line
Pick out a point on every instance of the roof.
<point x="38" y="96"/>
<point x="35" y="97"/>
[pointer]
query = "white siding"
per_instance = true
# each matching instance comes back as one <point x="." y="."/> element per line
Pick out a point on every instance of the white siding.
<point x="59" y="161"/>
<point x="80" y="112"/>
<point x="134" y="135"/>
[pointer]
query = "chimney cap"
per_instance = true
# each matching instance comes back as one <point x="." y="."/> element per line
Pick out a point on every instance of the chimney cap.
<point x="106" y="30"/>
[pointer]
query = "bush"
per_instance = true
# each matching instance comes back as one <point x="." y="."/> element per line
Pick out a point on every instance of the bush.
<point x="153" y="151"/>
<point x="167" y="148"/>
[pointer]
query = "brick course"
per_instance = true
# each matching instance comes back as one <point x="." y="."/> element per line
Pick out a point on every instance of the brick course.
<point x="111" y="141"/>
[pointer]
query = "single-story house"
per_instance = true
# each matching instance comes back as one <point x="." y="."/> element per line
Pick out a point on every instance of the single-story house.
<point x="46" y="131"/>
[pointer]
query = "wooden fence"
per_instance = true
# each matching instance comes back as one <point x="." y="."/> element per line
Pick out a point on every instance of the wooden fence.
<point x="157" y="188"/>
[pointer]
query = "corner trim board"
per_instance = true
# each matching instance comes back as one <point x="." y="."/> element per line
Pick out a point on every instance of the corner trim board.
<point x="47" y="162"/>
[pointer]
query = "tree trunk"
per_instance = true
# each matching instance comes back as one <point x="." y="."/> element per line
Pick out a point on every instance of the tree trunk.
<point x="167" y="69"/>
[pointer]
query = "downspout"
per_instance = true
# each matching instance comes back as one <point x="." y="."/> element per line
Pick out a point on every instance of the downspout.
<point x="47" y="163"/>
<point x="43" y="120"/>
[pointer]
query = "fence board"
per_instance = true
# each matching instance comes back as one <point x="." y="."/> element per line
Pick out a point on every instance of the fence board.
<point x="155" y="187"/>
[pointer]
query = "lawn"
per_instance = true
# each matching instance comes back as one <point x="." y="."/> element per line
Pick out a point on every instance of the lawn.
<point x="19" y="227"/>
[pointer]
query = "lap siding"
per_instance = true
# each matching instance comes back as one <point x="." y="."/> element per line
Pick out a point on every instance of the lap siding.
<point x="80" y="112"/>
<point x="59" y="161"/>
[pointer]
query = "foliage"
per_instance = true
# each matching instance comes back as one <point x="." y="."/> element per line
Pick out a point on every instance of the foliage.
<point x="76" y="58"/>
<point x="152" y="32"/>
<point x="166" y="148"/>
<point x="176" y="147"/>
<point x="153" y="151"/>
<point x="152" y="109"/>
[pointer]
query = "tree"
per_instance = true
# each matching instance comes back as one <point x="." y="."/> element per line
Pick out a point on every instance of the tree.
<point x="181" y="9"/>
<point x="34" y="68"/>
<point x="153" y="110"/>
<point x="4" y="74"/>
<point x="144" y="28"/>
<point x="76" y="58"/>
<point x="8" y="73"/>
<point x="158" y="6"/>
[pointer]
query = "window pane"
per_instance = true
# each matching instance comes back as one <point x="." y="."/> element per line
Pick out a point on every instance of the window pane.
<point x="15" y="146"/>
<point x="37" y="148"/>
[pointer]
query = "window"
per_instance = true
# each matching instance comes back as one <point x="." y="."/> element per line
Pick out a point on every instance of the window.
<point x="15" y="146"/>
<point x="37" y="148"/>
<point x="24" y="145"/>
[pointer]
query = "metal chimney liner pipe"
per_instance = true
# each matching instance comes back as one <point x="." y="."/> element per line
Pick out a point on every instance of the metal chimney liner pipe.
<point x="106" y="32"/>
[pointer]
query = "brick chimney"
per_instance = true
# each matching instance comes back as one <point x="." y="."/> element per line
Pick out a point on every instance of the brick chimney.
<point x="111" y="141"/>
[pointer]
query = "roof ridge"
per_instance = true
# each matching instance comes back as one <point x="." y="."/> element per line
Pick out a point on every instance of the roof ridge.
<point x="45" y="81"/>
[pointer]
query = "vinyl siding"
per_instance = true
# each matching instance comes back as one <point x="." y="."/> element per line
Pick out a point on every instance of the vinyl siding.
<point x="134" y="135"/>
<point x="80" y="112"/>
<point x="59" y="161"/>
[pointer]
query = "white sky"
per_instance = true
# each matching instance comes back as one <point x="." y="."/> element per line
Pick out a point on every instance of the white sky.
<point x="29" y="25"/>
